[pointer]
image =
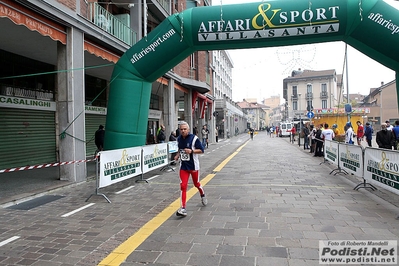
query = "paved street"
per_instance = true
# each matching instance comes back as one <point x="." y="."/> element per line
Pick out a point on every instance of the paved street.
<point x="270" y="202"/>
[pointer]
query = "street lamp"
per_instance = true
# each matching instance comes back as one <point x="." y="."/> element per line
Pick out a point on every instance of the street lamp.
<point x="300" y="120"/>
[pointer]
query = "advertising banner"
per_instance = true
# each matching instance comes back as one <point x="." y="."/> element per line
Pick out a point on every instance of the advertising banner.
<point x="154" y="156"/>
<point x="331" y="151"/>
<point x="351" y="159"/>
<point x="381" y="168"/>
<point x="173" y="146"/>
<point x="119" y="165"/>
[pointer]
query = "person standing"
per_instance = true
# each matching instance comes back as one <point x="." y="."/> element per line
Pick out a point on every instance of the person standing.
<point x="173" y="137"/>
<point x="99" y="138"/>
<point x="389" y="126"/>
<point x="385" y="138"/>
<point x="161" y="134"/>
<point x="368" y="134"/>
<point x="327" y="133"/>
<point x="189" y="147"/>
<point x="293" y="132"/>
<point x="217" y="134"/>
<point x="204" y="133"/>
<point x="306" y="137"/>
<point x="312" y="138"/>
<point x="349" y="133"/>
<point x="359" y="133"/>
<point x="395" y="131"/>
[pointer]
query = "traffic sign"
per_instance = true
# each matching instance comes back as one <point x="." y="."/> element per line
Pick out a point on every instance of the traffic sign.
<point x="310" y="114"/>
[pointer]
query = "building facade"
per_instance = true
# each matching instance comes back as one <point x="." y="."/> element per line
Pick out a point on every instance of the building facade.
<point x="56" y="66"/>
<point x="306" y="90"/>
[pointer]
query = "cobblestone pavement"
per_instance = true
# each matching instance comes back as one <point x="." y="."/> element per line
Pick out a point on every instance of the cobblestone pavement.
<point x="270" y="204"/>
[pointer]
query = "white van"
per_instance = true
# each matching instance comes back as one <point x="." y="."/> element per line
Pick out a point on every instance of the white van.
<point x="285" y="129"/>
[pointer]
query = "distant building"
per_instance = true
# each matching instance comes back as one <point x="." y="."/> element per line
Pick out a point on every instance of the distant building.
<point x="308" y="89"/>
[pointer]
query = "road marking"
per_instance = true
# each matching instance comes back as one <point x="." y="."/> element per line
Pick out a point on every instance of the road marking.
<point x="5" y="242"/>
<point x="77" y="210"/>
<point x="123" y="190"/>
<point x="155" y="176"/>
<point x="119" y="255"/>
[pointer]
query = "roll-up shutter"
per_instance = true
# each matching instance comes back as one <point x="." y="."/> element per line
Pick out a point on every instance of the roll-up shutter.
<point x="27" y="137"/>
<point x="92" y="123"/>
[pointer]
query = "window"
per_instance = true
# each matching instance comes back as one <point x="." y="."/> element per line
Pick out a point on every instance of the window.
<point x="324" y="104"/>
<point x="192" y="61"/>
<point x="294" y="90"/>
<point x="309" y="88"/>
<point x="324" y="87"/>
<point x="295" y="105"/>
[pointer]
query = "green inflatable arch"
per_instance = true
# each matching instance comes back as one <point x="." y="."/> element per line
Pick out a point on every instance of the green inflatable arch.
<point x="370" y="26"/>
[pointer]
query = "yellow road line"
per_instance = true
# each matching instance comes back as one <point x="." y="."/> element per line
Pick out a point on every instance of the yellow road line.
<point x="223" y="164"/>
<point x="119" y="255"/>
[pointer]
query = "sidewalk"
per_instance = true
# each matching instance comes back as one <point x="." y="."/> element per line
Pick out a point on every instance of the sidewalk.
<point x="269" y="204"/>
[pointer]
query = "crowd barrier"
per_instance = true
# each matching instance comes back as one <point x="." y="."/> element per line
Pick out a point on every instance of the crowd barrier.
<point x="118" y="165"/>
<point x="377" y="167"/>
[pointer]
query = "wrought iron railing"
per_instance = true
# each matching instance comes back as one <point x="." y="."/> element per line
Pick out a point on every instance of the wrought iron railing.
<point x="111" y="24"/>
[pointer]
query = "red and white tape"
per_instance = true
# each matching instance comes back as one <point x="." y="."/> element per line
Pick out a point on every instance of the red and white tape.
<point x="43" y="166"/>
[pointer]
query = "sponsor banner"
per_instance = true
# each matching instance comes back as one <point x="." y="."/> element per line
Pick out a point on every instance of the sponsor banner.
<point x="154" y="156"/>
<point x="351" y="159"/>
<point x="381" y="168"/>
<point x="173" y="147"/>
<point x="119" y="165"/>
<point x="331" y="151"/>
<point x="360" y="252"/>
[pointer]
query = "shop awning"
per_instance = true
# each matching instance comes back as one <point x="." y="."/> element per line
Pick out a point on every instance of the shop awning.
<point x="21" y="15"/>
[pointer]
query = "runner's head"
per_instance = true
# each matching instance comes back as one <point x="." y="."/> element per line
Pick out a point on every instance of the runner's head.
<point x="184" y="129"/>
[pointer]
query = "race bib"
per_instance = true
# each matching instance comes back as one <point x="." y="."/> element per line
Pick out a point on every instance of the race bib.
<point x="184" y="156"/>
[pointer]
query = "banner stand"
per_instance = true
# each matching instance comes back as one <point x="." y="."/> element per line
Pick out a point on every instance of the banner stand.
<point x="324" y="156"/>
<point x="142" y="180"/>
<point x="339" y="170"/>
<point x="168" y="166"/>
<point x="364" y="184"/>
<point x="97" y="181"/>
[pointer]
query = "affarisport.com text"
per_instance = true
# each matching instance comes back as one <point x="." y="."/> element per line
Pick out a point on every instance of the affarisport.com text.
<point x="151" y="48"/>
<point x="358" y="252"/>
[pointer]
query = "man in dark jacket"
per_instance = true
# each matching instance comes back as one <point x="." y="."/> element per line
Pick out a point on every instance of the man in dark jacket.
<point x="385" y="138"/>
<point x="99" y="138"/>
<point x="368" y="133"/>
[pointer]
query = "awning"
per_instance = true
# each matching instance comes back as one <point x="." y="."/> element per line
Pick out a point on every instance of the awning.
<point x="195" y="85"/>
<point x="21" y="15"/>
<point x="100" y="52"/>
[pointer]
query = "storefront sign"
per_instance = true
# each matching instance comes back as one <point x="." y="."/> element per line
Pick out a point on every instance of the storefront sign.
<point x="26" y="103"/>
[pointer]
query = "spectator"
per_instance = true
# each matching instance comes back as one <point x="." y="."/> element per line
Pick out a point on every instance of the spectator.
<point x="204" y="133"/>
<point x="385" y="139"/>
<point x="161" y="134"/>
<point x="359" y="133"/>
<point x="349" y="133"/>
<point x="395" y="131"/>
<point x="99" y="138"/>
<point x="368" y="134"/>
<point x="173" y="137"/>
<point x="389" y="126"/>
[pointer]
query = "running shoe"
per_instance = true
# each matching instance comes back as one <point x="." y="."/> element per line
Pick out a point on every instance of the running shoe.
<point x="181" y="212"/>
<point x="204" y="201"/>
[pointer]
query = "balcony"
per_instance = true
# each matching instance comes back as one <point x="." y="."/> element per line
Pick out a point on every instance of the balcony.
<point x="309" y="95"/>
<point x="294" y="97"/>
<point x="118" y="27"/>
<point x="323" y="95"/>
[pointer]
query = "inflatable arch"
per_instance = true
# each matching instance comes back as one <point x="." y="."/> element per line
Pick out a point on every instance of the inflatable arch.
<point x="371" y="26"/>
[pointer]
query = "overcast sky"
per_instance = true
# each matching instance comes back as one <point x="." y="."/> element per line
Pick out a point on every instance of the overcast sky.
<point x="259" y="73"/>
